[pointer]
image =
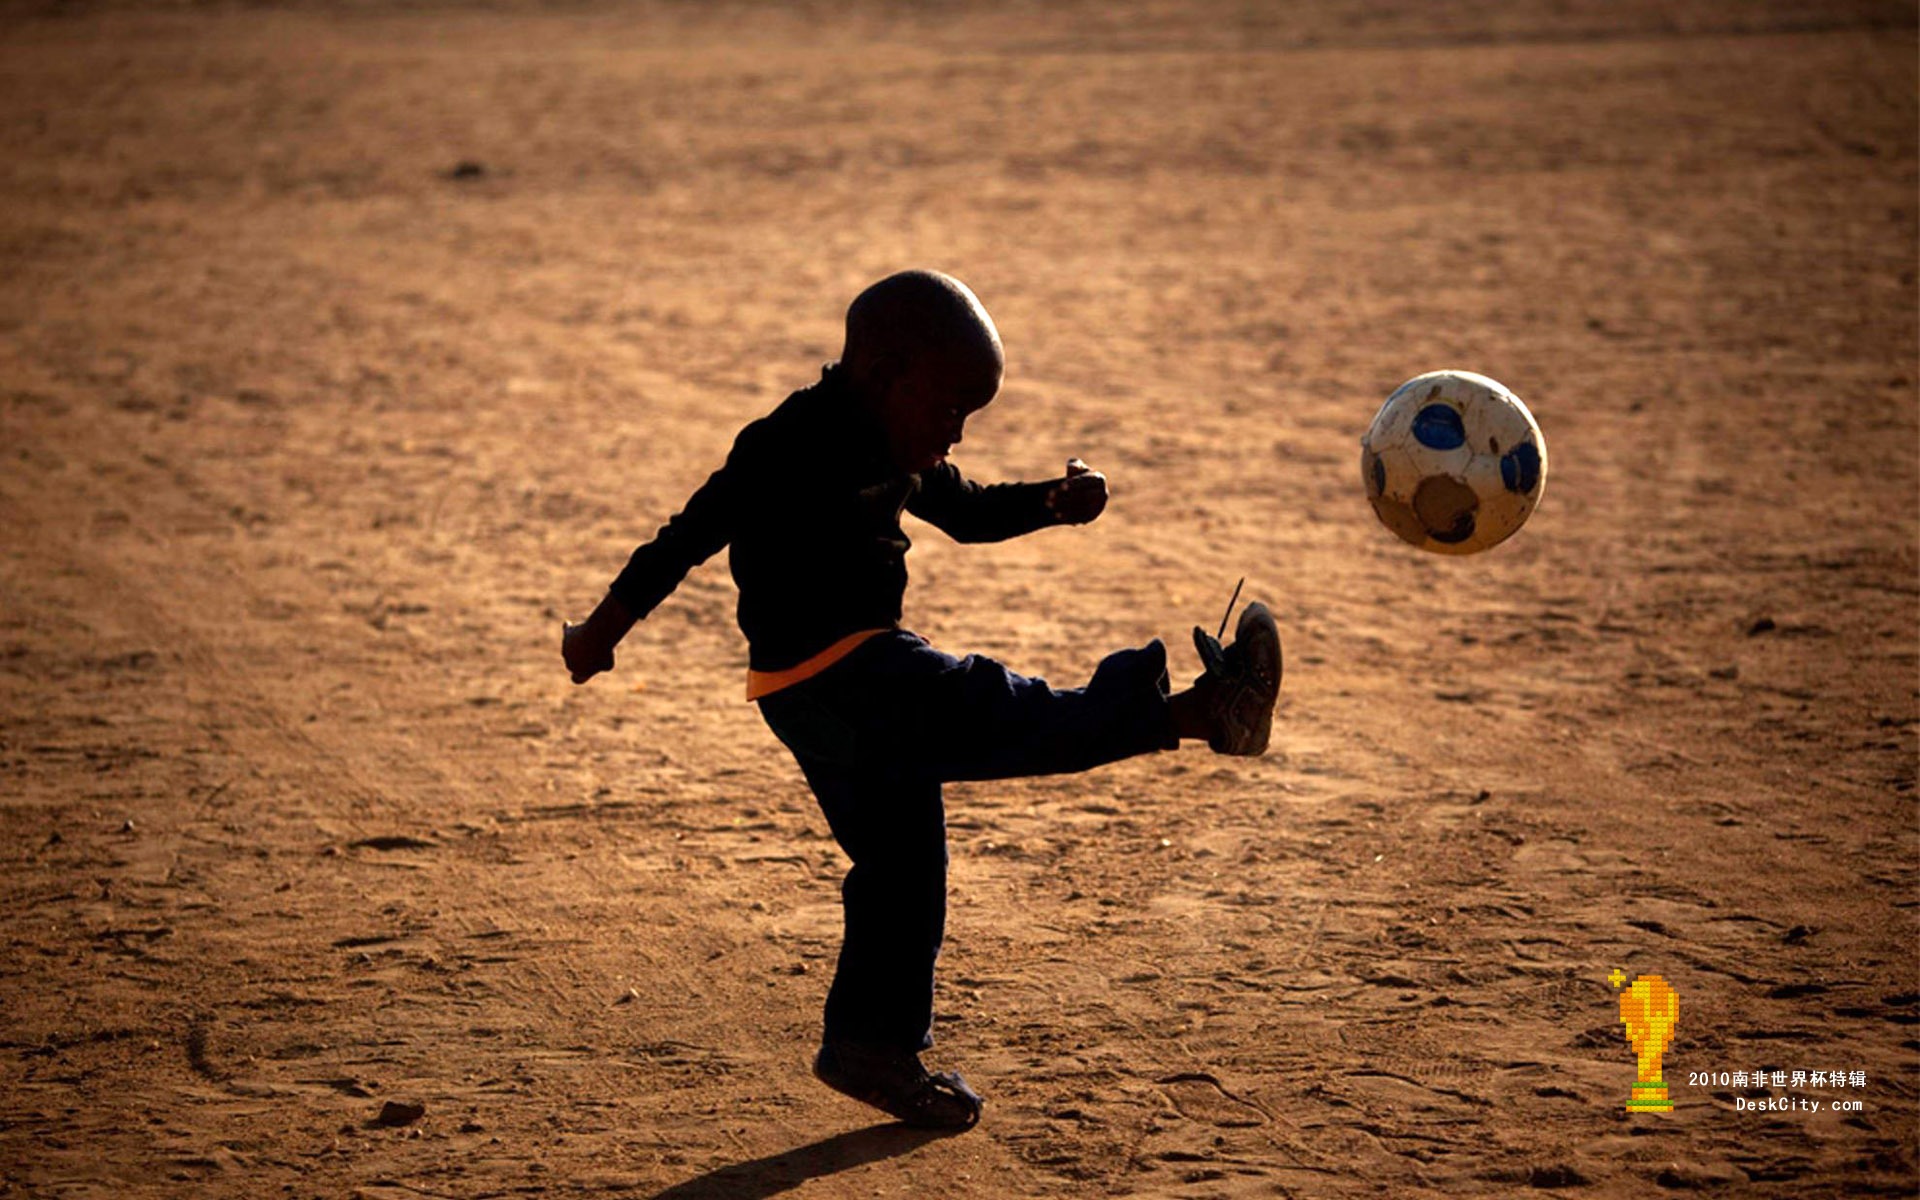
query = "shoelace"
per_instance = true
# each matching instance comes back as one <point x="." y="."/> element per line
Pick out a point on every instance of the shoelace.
<point x="1228" y="615"/>
<point x="1213" y="655"/>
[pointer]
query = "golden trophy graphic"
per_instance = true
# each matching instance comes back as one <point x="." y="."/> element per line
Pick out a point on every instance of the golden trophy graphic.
<point x="1648" y="1009"/>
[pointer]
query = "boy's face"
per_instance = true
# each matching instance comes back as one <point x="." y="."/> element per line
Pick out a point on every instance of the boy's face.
<point x="929" y="400"/>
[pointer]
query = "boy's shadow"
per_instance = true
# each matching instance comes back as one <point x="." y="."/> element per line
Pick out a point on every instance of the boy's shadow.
<point x="789" y="1169"/>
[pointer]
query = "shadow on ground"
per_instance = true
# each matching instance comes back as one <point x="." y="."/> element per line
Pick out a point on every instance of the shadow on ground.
<point x="789" y="1169"/>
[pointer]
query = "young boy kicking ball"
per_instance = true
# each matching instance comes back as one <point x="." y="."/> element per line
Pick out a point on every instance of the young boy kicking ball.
<point x="809" y="501"/>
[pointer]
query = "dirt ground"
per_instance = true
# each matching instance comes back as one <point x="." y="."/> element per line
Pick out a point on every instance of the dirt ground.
<point x="313" y="436"/>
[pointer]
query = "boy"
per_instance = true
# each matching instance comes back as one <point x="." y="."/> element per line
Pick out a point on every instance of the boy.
<point x="810" y="501"/>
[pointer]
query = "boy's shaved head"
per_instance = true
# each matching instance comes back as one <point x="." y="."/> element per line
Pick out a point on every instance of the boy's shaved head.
<point x="922" y="356"/>
<point x="915" y="315"/>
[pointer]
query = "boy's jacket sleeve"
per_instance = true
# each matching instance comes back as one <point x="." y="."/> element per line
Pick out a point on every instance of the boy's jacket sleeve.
<point x="967" y="512"/>
<point x="690" y="537"/>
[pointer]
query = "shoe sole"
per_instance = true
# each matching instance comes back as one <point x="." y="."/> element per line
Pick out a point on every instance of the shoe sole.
<point x="1257" y="638"/>
<point x="896" y="1107"/>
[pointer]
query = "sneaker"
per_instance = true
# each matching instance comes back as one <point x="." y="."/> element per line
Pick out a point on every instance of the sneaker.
<point x="894" y="1082"/>
<point x="1242" y="682"/>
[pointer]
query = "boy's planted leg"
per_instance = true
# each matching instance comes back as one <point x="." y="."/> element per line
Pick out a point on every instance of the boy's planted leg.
<point x="879" y="1013"/>
<point x="894" y="901"/>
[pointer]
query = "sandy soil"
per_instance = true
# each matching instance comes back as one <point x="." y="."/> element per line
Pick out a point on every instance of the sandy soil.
<point x="311" y="440"/>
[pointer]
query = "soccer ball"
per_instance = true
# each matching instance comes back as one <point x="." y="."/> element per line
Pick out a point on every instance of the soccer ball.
<point x="1454" y="462"/>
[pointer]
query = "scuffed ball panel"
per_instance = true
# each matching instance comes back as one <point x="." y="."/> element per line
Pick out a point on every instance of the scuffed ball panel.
<point x="1446" y="509"/>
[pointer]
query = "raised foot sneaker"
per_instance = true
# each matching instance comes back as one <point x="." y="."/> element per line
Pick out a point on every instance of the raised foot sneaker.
<point x="894" y="1082"/>
<point x="1241" y="683"/>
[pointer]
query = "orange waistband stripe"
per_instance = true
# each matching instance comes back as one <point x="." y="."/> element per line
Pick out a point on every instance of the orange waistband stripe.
<point x="766" y="683"/>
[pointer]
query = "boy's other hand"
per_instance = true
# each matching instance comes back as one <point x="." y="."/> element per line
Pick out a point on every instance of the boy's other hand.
<point x="1080" y="497"/>
<point x="588" y="646"/>
<point x="586" y="655"/>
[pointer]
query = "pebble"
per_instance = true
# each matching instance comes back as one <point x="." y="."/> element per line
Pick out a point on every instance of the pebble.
<point x="401" y="1112"/>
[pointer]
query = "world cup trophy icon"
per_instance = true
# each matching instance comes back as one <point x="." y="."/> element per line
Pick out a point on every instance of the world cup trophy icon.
<point x="1649" y="1010"/>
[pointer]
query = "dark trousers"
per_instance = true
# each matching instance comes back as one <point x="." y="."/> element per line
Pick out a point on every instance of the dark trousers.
<point x="877" y="734"/>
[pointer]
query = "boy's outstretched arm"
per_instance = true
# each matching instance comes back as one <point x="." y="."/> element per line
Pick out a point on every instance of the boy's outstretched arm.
<point x="694" y="534"/>
<point x="968" y="512"/>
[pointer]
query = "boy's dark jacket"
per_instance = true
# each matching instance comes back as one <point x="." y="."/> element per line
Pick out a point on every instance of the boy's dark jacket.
<point x="811" y="507"/>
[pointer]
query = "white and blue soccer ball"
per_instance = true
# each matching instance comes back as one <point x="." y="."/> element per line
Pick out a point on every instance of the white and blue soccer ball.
<point x="1454" y="463"/>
